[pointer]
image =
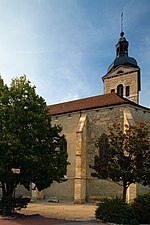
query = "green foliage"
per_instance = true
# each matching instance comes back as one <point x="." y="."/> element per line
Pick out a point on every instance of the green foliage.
<point x="114" y="211"/>
<point x="117" y="211"/>
<point x="9" y="204"/>
<point x="28" y="140"/>
<point x="141" y="208"/>
<point x="134" y="222"/>
<point x="128" y="158"/>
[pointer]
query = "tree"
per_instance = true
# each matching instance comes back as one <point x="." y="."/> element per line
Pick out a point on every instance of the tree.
<point x="128" y="156"/>
<point x="28" y="141"/>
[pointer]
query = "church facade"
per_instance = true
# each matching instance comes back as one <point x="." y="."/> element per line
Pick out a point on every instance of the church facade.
<point x="85" y="120"/>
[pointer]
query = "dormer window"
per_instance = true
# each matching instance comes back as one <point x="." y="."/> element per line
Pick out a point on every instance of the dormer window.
<point x="120" y="71"/>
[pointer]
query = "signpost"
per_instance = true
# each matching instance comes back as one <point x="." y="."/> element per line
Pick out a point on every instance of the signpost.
<point x="15" y="171"/>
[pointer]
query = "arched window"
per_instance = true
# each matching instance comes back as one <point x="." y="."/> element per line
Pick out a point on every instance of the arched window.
<point x="103" y="145"/>
<point x="101" y="160"/>
<point x="62" y="152"/>
<point x="63" y="144"/>
<point x="120" y="90"/>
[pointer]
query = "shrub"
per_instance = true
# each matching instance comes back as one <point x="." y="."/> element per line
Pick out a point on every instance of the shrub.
<point x="141" y="208"/>
<point x="9" y="204"/>
<point x="114" y="211"/>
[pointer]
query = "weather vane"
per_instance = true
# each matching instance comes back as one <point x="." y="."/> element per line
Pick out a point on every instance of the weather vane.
<point x="121" y="22"/>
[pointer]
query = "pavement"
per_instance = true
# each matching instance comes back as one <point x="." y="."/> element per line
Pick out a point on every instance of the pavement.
<point x="48" y="213"/>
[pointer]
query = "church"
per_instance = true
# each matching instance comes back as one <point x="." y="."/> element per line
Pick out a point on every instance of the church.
<point x="84" y="120"/>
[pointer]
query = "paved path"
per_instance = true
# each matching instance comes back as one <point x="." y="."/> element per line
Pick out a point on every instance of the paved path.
<point x="46" y="213"/>
<point x="62" y="210"/>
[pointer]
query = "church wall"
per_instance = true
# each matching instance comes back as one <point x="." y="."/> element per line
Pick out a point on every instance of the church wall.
<point x="98" y="189"/>
<point x="137" y="114"/>
<point x="141" y="115"/>
<point x="65" y="190"/>
<point x="99" y="120"/>
<point x="142" y="189"/>
<point x="98" y="123"/>
<point x="22" y="191"/>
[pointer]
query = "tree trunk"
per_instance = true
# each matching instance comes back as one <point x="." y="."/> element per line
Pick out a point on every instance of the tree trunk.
<point x="7" y="189"/>
<point x="3" y="189"/>
<point x="7" y="192"/>
<point x="124" y="190"/>
<point x="10" y="189"/>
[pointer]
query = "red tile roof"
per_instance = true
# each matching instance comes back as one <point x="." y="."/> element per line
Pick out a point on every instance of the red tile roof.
<point x="87" y="103"/>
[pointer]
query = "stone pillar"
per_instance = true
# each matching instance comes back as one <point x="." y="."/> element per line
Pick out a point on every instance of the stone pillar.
<point x="131" y="192"/>
<point x="128" y="120"/>
<point x="80" y="166"/>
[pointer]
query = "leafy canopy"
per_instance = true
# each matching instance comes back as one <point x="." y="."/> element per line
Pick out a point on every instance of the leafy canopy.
<point x="28" y="140"/>
<point x="128" y="156"/>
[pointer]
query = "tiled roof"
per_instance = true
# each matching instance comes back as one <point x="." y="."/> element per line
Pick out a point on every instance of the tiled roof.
<point x="87" y="103"/>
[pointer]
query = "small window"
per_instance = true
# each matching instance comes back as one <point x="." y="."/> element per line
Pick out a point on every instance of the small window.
<point x="69" y="116"/>
<point x="112" y="90"/>
<point x="127" y="91"/>
<point x="120" y="90"/>
<point x="56" y="118"/>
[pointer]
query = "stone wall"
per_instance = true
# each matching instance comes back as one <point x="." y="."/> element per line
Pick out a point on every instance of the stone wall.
<point x="99" y="121"/>
<point x="81" y="139"/>
<point x="128" y="77"/>
<point x="65" y="190"/>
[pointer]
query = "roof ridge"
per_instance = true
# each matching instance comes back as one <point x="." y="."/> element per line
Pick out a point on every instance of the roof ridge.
<point x="91" y="97"/>
<point x="98" y="101"/>
<point x="87" y="103"/>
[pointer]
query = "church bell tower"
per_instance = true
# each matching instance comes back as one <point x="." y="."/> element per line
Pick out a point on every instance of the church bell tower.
<point x="123" y="75"/>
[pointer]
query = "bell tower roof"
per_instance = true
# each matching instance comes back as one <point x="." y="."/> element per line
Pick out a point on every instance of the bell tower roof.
<point x="122" y="57"/>
<point x="122" y="46"/>
<point x="123" y="75"/>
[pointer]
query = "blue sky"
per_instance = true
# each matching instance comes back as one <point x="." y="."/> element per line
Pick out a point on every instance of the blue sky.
<point x="65" y="46"/>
